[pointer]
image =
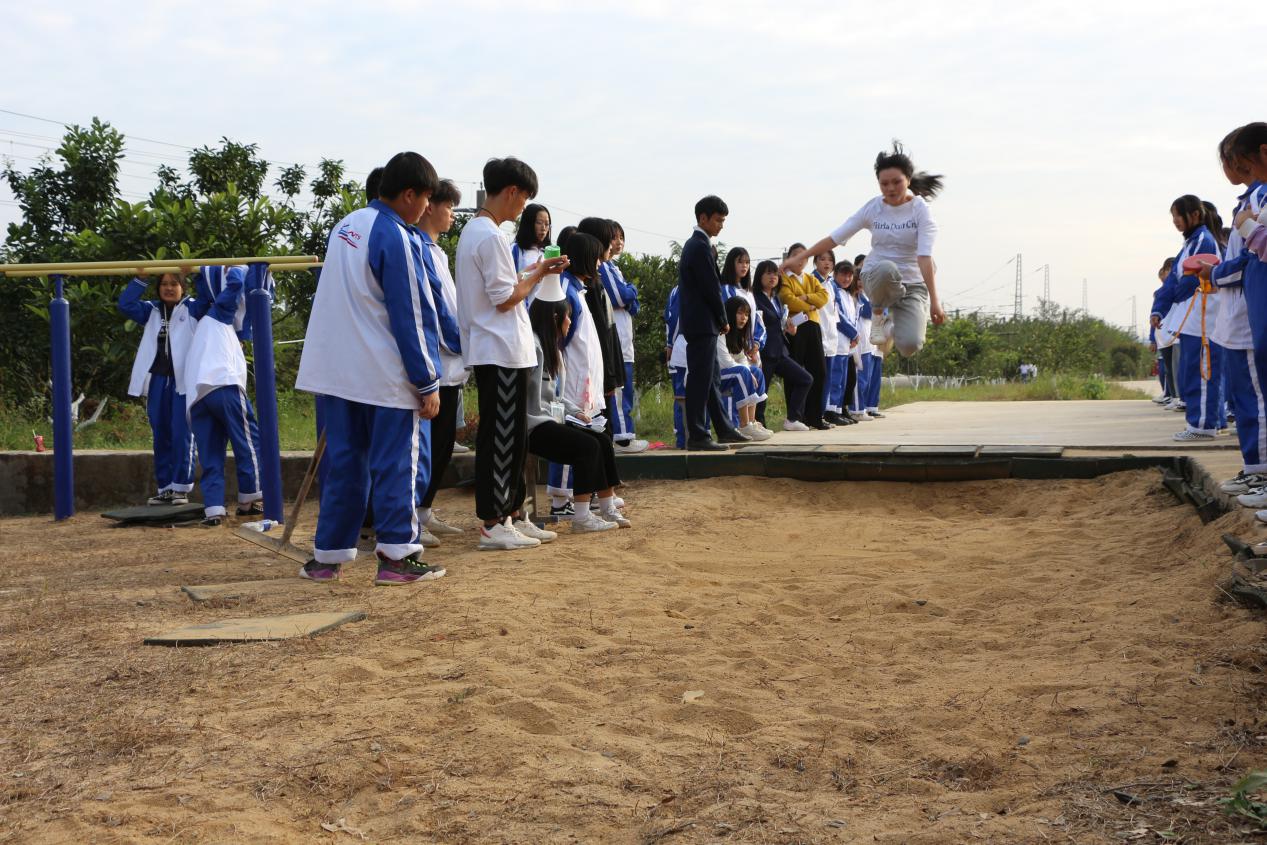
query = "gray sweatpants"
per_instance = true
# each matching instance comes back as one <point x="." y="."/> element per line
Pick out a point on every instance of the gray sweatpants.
<point x="907" y="303"/>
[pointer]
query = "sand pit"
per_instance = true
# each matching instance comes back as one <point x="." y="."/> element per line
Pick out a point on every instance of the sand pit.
<point x="981" y="662"/>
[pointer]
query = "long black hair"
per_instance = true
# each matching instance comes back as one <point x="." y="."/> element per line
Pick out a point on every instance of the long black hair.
<point x="728" y="274"/>
<point x="923" y="184"/>
<point x="583" y="252"/>
<point x="758" y="274"/>
<point x="526" y="233"/>
<point x="546" y="319"/>
<point x="737" y="339"/>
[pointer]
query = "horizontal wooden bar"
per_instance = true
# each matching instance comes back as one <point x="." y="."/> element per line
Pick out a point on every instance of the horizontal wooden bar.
<point x="65" y="268"/>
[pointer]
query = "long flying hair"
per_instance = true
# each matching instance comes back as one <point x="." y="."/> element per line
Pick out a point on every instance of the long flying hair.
<point x="923" y="184"/>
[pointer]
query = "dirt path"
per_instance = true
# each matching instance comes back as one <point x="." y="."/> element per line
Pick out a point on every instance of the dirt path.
<point x="878" y="662"/>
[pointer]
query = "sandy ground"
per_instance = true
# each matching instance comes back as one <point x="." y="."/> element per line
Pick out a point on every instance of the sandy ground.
<point x="878" y="663"/>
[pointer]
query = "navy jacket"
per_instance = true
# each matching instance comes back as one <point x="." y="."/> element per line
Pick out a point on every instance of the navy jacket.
<point x="699" y="288"/>
<point x="773" y="313"/>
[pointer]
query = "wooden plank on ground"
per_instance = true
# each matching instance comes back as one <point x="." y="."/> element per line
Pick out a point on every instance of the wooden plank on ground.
<point x="256" y="629"/>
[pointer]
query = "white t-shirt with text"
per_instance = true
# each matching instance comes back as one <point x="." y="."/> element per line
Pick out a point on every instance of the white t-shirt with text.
<point x="898" y="233"/>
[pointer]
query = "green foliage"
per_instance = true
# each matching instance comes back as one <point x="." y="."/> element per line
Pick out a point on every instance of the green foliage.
<point x="654" y="276"/>
<point x="1056" y="340"/>
<point x="72" y="212"/>
<point x="1242" y="803"/>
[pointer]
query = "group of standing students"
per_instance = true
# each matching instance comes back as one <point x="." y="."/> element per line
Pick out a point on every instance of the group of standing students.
<point x="547" y="333"/>
<point x="1209" y="316"/>
<point x="825" y="332"/>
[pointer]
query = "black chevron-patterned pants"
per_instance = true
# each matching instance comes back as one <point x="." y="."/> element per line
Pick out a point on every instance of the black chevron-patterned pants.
<point x="501" y="443"/>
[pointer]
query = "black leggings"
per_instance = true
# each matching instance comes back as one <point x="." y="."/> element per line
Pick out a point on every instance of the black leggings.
<point x="851" y="402"/>
<point x="444" y="430"/>
<point x="590" y="453"/>
<point x="501" y="440"/>
<point x="807" y="350"/>
<point x="796" y="384"/>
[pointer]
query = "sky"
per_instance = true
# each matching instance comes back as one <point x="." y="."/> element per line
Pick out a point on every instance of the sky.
<point x="1064" y="133"/>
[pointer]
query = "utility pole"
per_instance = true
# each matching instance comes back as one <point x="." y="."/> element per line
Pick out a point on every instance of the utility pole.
<point x="1018" y="304"/>
<point x="1046" y="283"/>
<point x="1084" y="298"/>
<point x="1134" y="325"/>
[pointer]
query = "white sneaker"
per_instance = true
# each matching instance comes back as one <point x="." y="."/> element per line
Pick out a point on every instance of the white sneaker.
<point x="880" y="328"/>
<point x="528" y="529"/>
<point x="1188" y="435"/>
<point x="755" y="432"/>
<point x="1243" y="482"/>
<point x="503" y="536"/>
<point x="1256" y="498"/>
<point x="761" y="426"/>
<point x="439" y="527"/>
<point x="459" y="449"/>
<point x="590" y="524"/>
<point x="794" y="425"/>
<point x="1261" y="516"/>
<point x="428" y="540"/>
<point x="1161" y="400"/>
<point x="630" y="447"/>
<point x="618" y="519"/>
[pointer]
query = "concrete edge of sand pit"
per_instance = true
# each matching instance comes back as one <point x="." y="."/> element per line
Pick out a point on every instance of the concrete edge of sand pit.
<point x="105" y="479"/>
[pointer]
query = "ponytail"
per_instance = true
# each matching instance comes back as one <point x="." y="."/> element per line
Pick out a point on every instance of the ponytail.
<point x="1214" y="223"/>
<point x="926" y="185"/>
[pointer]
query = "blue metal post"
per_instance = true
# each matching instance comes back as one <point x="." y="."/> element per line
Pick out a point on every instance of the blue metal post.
<point x="323" y="468"/>
<point x="63" y="428"/>
<point x="259" y="305"/>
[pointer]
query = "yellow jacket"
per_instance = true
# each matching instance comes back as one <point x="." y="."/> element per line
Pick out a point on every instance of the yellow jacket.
<point x="804" y="285"/>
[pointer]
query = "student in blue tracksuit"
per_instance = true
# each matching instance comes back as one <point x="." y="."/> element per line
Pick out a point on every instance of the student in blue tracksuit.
<point x="624" y="301"/>
<point x="1167" y="347"/>
<point x="675" y="358"/>
<point x="1191" y="312"/>
<point x="215" y="385"/>
<point x="436" y="221"/>
<point x="371" y="354"/>
<point x="158" y="374"/>
<point x="1244" y="363"/>
<point x="736" y="280"/>
<point x="581" y="381"/>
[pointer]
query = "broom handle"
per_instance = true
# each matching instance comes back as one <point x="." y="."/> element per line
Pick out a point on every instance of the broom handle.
<point x="304" y="487"/>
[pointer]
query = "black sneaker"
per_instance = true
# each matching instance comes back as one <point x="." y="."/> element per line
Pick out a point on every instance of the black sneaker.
<point x="563" y="510"/>
<point x="212" y="522"/>
<point x="875" y="415"/>
<point x="733" y="436"/>
<point x="164" y="498"/>
<point x="837" y="419"/>
<point x="255" y="508"/>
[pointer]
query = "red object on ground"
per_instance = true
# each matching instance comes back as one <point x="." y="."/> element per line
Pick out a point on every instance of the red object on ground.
<point x="39" y="442"/>
<point x="659" y="444"/>
<point x="1194" y="263"/>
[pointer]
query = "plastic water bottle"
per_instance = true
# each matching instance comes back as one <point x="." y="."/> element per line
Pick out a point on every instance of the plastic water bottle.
<point x="262" y="526"/>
